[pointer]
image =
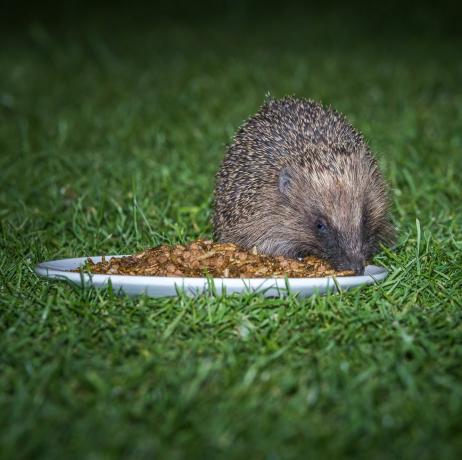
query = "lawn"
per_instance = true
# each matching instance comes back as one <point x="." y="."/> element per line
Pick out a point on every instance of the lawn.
<point x="111" y="130"/>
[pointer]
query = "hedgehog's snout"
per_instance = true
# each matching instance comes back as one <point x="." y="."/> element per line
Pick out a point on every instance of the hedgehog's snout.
<point x="353" y="263"/>
<point x="358" y="266"/>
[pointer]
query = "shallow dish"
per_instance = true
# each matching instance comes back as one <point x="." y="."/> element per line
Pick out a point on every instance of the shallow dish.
<point x="168" y="286"/>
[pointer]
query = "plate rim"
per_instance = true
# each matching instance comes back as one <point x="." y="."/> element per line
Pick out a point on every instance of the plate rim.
<point x="46" y="269"/>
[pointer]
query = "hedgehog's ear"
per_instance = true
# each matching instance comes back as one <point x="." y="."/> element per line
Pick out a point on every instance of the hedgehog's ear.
<point x="285" y="181"/>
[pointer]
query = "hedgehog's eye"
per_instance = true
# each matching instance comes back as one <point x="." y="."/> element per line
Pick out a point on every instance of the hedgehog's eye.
<point x="321" y="226"/>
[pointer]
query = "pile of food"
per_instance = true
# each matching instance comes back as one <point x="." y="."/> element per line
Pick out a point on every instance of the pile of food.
<point x="206" y="258"/>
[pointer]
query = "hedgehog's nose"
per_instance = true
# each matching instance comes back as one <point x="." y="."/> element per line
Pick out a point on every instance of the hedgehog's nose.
<point x="358" y="268"/>
<point x="355" y="264"/>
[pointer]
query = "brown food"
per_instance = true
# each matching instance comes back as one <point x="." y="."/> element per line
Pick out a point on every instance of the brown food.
<point x="219" y="260"/>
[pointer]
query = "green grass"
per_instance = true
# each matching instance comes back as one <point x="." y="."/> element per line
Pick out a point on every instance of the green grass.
<point x="109" y="143"/>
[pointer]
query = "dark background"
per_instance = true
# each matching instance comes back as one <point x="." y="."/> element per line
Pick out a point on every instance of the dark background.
<point x="395" y="19"/>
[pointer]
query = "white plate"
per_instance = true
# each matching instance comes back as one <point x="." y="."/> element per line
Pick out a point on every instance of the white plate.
<point x="163" y="286"/>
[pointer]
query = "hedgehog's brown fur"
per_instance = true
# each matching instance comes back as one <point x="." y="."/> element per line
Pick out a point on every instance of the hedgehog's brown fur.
<point x="299" y="180"/>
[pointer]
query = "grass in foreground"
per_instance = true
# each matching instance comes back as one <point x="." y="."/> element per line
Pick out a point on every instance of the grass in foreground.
<point x="111" y="146"/>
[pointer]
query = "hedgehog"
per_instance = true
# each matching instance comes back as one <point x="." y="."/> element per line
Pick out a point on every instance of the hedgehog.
<point x="299" y="180"/>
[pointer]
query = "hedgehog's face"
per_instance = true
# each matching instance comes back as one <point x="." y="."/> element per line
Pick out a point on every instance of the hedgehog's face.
<point x="339" y="217"/>
<point x="344" y="245"/>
